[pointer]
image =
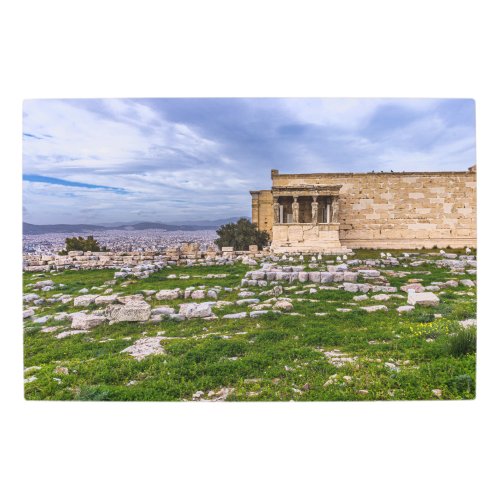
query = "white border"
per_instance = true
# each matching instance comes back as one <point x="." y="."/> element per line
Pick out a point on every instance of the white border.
<point x="229" y="48"/>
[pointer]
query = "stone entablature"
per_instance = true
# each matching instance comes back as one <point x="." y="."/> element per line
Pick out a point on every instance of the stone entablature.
<point x="375" y="210"/>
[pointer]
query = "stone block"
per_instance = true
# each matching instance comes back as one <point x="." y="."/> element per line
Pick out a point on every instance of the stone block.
<point x="423" y="299"/>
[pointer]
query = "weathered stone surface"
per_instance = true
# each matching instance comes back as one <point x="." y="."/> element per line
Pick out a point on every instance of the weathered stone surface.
<point x="283" y="305"/>
<point x="467" y="323"/>
<point x="243" y="302"/>
<point x="134" y="310"/>
<point x="374" y="308"/>
<point x="27" y="313"/>
<point x="84" y="300"/>
<point x="258" y="275"/>
<point x="162" y="310"/>
<point x="381" y="296"/>
<point x="357" y="287"/>
<point x="30" y="297"/>
<point x="315" y="277"/>
<point x="349" y="276"/>
<point x="416" y="287"/>
<point x="370" y="273"/>
<point x="303" y="276"/>
<point x="125" y="299"/>
<point x="41" y="319"/>
<point x="167" y="294"/>
<point x="235" y="315"/>
<point x="42" y="284"/>
<point x="198" y="294"/>
<point x="195" y="310"/>
<point x="351" y="287"/>
<point x="360" y="298"/>
<point x="467" y="283"/>
<point x="106" y="299"/>
<point x="326" y="277"/>
<point x="383" y="288"/>
<point x="270" y="275"/>
<point x="423" y="299"/>
<point x="255" y="314"/>
<point x="144" y="347"/>
<point x="405" y="309"/>
<point x="82" y="321"/>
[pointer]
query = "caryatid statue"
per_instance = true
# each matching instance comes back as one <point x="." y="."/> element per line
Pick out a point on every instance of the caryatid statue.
<point x="295" y="209"/>
<point x="276" y="209"/>
<point x="314" y="210"/>
<point x="335" y="209"/>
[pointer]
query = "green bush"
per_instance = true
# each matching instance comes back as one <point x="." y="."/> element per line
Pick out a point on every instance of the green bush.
<point x="80" y="243"/>
<point x="462" y="343"/>
<point x="461" y="383"/>
<point x="241" y="235"/>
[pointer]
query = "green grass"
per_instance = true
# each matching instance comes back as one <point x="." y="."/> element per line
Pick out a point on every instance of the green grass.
<point x="278" y="357"/>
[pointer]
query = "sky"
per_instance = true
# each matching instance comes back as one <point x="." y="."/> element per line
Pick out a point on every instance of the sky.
<point x="171" y="160"/>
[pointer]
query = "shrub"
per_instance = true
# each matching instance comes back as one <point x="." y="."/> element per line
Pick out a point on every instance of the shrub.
<point x="80" y="243"/>
<point x="462" y="343"/>
<point x="241" y="235"/>
<point x="461" y="383"/>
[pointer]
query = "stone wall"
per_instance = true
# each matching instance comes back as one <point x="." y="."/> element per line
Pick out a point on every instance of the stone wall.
<point x="262" y="210"/>
<point x="138" y="261"/>
<point x="95" y="260"/>
<point x="392" y="210"/>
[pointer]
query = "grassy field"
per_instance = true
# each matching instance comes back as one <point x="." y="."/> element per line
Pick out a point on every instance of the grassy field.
<point x="314" y="353"/>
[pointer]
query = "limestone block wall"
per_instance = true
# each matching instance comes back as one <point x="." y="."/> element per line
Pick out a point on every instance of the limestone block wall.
<point x="397" y="210"/>
<point x="146" y="259"/>
<point x="262" y="210"/>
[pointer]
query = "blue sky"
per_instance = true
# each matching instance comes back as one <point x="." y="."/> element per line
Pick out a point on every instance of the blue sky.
<point x="121" y="160"/>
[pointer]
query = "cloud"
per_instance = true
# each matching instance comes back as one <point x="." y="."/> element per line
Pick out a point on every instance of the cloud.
<point x="168" y="159"/>
<point x="62" y="182"/>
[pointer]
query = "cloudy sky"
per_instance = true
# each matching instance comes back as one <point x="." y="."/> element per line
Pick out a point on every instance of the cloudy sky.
<point x="123" y="160"/>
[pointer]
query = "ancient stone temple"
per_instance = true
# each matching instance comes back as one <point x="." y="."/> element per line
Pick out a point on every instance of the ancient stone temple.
<point x="331" y="212"/>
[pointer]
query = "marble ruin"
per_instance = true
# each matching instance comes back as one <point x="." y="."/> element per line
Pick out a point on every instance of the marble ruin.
<point x="332" y="212"/>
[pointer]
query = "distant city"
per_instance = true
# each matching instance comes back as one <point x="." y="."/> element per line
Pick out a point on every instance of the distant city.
<point x="122" y="236"/>
<point x="120" y="240"/>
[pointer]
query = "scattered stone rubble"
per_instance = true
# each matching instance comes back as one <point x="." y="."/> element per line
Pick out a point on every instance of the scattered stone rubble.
<point x="366" y="279"/>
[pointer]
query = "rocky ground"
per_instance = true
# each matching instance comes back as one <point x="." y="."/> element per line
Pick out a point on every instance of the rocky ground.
<point x="370" y="325"/>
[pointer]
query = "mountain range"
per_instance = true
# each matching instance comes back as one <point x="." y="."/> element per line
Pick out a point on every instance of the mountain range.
<point x="128" y="226"/>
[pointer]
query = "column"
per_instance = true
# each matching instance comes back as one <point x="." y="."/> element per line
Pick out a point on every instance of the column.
<point x="328" y="210"/>
<point x="335" y="209"/>
<point x="295" y="209"/>
<point x="314" y="210"/>
<point x="276" y="210"/>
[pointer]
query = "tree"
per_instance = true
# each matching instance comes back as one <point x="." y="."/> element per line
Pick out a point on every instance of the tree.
<point x="80" y="243"/>
<point x="241" y="235"/>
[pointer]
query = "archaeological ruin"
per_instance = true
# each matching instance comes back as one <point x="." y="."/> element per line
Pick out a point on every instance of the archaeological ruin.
<point x="334" y="212"/>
